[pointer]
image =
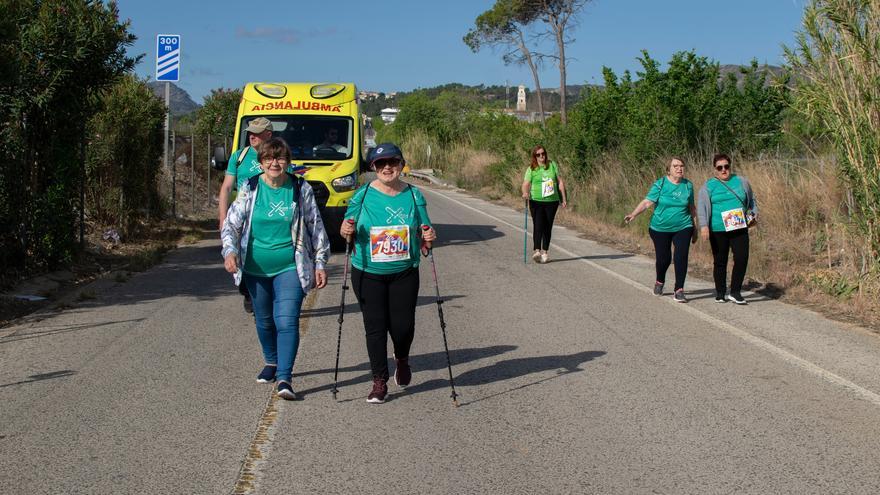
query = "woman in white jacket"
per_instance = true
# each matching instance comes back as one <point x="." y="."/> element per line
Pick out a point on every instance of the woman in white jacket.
<point x="274" y="233"/>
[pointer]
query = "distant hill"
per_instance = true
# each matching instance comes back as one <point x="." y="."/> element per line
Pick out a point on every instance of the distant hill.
<point x="179" y="100"/>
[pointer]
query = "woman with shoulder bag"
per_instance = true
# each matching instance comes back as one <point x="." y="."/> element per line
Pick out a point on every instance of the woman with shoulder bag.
<point x="672" y="223"/>
<point x="726" y="209"/>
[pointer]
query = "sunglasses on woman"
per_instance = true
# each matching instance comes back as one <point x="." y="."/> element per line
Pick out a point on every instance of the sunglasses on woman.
<point x="392" y="162"/>
<point x="541" y="154"/>
<point x="719" y="168"/>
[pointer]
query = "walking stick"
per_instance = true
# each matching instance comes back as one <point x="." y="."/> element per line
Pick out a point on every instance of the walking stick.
<point x="526" y="231"/>
<point x="430" y="254"/>
<point x="341" y="313"/>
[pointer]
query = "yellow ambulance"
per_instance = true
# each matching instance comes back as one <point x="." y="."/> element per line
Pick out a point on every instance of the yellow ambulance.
<point x="321" y="124"/>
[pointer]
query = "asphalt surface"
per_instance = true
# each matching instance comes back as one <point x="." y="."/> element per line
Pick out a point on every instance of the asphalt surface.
<point x="572" y="378"/>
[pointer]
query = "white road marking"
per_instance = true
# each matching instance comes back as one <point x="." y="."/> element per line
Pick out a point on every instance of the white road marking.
<point x="786" y="356"/>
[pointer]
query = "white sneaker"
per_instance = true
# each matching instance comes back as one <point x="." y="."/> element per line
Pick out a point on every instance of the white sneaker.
<point x="545" y="257"/>
<point x="537" y="256"/>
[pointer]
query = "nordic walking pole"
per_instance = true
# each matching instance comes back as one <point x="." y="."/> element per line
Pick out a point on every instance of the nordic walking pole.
<point x="526" y="231"/>
<point x="341" y="310"/>
<point x="430" y="254"/>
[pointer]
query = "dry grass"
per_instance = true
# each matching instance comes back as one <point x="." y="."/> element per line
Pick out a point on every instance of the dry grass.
<point x="803" y="250"/>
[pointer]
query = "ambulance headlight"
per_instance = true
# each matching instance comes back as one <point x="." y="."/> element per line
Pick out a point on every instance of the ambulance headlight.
<point x="347" y="183"/>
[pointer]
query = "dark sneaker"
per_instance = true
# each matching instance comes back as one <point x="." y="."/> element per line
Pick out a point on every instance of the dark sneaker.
<point x="248" y="305"/>
<point x="679" y="296"/>
<point x="285" y="391"/>
<point x="736" y="298"/>
<point x="379" y="392"/>
<point x="719" y="297"/>
<point x="658" y="288"/>
<point x="403" y="373"/>
<point x="267" y="375"/>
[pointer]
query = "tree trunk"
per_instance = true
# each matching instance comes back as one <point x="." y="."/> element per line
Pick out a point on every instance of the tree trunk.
<point x="560" y="44"/>
<point x="525" y="51"/>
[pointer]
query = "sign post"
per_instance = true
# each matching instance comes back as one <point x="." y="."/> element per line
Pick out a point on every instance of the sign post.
<point x="168" y="69"/>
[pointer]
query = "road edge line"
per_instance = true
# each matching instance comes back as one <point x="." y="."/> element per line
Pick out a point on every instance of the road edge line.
<point x="779" y="352"/>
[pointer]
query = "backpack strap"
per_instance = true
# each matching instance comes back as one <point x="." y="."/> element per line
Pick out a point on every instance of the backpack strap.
<point x="241" y="155"/>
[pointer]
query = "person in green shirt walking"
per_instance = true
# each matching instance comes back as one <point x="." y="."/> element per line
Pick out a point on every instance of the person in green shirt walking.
<point x="672" y="197"/>
<point x="726" y="208"/>
<point x="384" y="220"/>
<point x="274" y="236"/>
<point x="544" y="190"/>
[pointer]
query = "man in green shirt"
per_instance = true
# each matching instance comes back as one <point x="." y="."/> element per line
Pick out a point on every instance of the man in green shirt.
<point x="238" y="171"/>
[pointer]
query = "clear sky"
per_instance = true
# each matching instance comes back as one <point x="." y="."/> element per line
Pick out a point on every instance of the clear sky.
<point x="400" y="45"/>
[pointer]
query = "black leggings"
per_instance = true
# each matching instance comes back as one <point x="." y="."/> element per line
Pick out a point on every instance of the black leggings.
<point x="543" y="213"/>
<point x="663" y="242"/>
<point x="388" y="305"/>
<point x="722" y="243"/>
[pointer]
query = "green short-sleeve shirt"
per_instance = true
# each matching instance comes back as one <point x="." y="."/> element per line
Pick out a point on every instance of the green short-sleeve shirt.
<point x="722" y="199"/>
<point x="672" y="203"/>
<point x="544" y="181"/>
<point x="387" y="237"/>
<point x="270" y="245"/>
<point x="250" y="166"/>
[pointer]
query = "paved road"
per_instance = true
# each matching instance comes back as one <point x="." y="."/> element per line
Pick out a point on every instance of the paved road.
<point x="573" y="379"/>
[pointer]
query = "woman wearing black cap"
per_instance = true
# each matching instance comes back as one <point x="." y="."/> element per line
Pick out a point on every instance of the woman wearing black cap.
<point x="384" y="220"/>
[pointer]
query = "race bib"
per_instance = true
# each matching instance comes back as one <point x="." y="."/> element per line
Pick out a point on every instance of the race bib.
<point x="547" y="188"/>
<point x="389" y="243"/>
<point x="733" y="219"/>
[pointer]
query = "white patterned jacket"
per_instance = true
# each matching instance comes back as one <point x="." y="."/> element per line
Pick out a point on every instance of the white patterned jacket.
<point x="312" y="247"/>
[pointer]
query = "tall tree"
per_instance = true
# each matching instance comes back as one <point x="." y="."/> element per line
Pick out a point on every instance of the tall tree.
<point x="502" y="26"/>
<point x="559" y="15"/>
<point x="837" y="58"/>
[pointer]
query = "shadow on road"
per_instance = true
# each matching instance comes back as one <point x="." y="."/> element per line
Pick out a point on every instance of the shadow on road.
<point x="457" y="235"/>
<point x="42" y="376"/>
<point x="512" y="368"/>
<point x="420" y="362"/>
<point x="46" y="332"/>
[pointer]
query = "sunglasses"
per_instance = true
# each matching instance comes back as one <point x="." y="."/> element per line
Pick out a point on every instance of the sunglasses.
<point x="719" y="168"/>
<point x="383" y="163"/>
<point x="541" y="154"/>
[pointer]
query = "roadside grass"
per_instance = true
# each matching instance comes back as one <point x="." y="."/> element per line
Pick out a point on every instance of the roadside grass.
<point x="144" y="247"/>
<point x="804" y="249"/>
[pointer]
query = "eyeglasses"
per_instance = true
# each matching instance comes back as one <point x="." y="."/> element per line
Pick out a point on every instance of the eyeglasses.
<point x="277" y="159"/>
<point x="393" y="162"/>
<point x="719" y="168"/>
<point x="541" y="154"/>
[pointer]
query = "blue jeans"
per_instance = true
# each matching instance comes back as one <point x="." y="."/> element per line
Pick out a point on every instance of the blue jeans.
<point x="277" y="303"/>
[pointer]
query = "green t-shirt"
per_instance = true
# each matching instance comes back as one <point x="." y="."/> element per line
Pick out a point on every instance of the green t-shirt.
<point x="270" y="246"/>
<point x="545" y="185"/>
<point x="387" y="237"/>
<point x="250" y="166"/>
<point x="671" y="205"/>
<point x="723" y="200"/>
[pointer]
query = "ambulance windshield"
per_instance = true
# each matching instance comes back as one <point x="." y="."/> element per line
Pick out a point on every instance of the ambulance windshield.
<point x="311" y="137"/>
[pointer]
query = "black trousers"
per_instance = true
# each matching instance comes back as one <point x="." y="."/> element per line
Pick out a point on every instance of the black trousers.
<point x="663" y="242"/>
<point x="388" y="305"/>
<point x="543" y="214"/>
<point x="722" y="244"/>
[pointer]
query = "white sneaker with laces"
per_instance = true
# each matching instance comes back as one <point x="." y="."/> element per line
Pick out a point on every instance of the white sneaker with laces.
<point x="545" y="257"/>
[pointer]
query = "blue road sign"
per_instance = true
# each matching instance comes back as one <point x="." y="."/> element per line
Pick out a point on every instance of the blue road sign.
<point x="168" y="57"/>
